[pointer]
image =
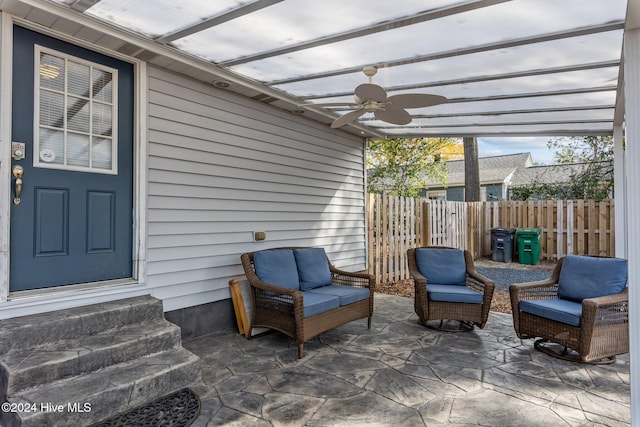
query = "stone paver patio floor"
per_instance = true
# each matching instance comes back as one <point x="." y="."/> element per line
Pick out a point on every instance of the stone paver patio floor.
<point x="400" y="373"/>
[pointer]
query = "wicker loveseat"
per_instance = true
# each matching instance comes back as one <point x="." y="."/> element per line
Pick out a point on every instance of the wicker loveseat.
<point x="583" y="306"/>
<point x="298" y="292"/>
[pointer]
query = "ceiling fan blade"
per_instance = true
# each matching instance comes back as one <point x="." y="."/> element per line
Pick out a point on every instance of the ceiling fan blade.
<point x="371" y="92"/>
<point x="416" y="100"/>
<point x="329" y="104"/>
<point x="349" y="117"/>
<point x="393" y="114"/>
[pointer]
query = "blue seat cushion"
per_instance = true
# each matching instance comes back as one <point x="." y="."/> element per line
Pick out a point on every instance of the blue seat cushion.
<point x="442" y="266"/>
<point x="448" y="293"/>
<point x="315" y="303"/>
<point x="313" y="268"/>
<point x="564" y="311"/>
<point x="277" y="267"/>
<point x="347" y="294"/>
<point x="590" y="277"/>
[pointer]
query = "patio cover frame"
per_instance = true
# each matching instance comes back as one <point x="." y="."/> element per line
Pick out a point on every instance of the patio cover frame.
<point x="621" y="116"/>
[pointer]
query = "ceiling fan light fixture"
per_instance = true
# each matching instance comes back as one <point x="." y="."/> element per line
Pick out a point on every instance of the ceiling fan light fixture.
<point x="370" y="71"/>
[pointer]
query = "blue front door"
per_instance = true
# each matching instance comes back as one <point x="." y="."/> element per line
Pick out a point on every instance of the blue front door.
<point x="73" y="111"/>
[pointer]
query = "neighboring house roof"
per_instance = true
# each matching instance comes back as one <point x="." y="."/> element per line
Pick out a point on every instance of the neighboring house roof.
<point x="494" y="169"/>
<point x="549" y="174"/>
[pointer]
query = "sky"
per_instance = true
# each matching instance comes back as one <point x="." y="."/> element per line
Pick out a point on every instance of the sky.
<point x="536" y="145"/>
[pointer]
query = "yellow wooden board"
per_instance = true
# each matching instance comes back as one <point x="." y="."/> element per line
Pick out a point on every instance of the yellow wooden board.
<point x="238" y="307"/>
<point x="243" y="305"/>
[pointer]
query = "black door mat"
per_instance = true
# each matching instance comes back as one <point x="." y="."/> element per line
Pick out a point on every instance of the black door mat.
<point x="179" y="409"/>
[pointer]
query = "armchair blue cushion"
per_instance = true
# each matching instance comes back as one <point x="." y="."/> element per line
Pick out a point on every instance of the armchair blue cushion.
<point x="315" y="303"/>
<point x="448" y="293"/>
<point x="347" y="294"/>
<point x="442" y="266"/>
<point x="277" y="267"/>
<point x="313" y="268"/>
<point x="569" y="312"/>
<point x="589" y="277"/>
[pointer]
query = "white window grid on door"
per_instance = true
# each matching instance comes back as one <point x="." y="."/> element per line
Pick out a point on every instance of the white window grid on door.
<point x="75" y="113"/>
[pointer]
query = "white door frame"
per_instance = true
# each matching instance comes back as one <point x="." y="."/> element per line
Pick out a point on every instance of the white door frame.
<point x="54" y="298"/>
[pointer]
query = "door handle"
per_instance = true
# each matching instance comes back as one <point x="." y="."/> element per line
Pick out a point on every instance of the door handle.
<point x="17" y="171"/>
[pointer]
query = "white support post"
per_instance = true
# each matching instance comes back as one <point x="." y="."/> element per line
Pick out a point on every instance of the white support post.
<point x="620" y="195"/>
<point x="632" y="115"/>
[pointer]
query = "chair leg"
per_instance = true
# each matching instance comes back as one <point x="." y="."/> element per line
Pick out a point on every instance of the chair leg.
<point x="570" y="357"/>
<point x="369" y="323"/>
<point x="463" y="326"/>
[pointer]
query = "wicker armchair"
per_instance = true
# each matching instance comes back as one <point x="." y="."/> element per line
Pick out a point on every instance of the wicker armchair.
<point x="447" y="287"/>
<point x="582" y="307"/>
<point x="285" y="308"/>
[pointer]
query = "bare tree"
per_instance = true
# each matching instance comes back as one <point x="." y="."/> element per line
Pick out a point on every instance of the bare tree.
<point x="471" y="170"/>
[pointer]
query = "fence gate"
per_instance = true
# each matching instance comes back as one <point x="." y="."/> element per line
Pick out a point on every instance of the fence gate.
<point x="447" y="223"/>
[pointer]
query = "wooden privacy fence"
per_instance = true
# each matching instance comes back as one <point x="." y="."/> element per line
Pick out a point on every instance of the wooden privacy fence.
<point x="394" y="225"/>
<point x="583" y="227"/>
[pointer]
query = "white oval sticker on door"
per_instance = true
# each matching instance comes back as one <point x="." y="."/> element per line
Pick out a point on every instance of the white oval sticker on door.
<point x="47" y="155"/>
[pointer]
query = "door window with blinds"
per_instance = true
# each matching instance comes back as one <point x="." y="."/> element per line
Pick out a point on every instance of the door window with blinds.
<point x="75" y="114"/>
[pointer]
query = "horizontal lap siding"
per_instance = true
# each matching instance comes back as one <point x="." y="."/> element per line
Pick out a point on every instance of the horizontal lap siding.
<point x="221" y="167"/>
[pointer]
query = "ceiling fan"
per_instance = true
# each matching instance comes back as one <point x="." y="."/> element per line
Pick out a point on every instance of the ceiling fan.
<point x="371" y="98"/>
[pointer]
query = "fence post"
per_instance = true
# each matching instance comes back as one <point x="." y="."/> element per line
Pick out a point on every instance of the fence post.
<point x="570" y="226"/>
<point x="426" y="218"/>
<point x="559" y="228"/>
<point x="373" y="233"/>
<point x="612" y="227"/>
<point x="602" y="229"/>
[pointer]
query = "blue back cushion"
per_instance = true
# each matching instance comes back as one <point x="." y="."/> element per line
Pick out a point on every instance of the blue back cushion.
<point x="442" y="266"/>
<point x="313" y="268"/>
<point x="277" y="267"/>
<point x="588" y="277"/>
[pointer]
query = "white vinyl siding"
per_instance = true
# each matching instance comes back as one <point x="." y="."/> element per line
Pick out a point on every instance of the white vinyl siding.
<point x="220" y="167"/>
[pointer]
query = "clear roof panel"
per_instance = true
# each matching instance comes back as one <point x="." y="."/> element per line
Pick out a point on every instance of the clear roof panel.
<point x="289" y="23"/>
<point x="577" y="51"/>
<point x="507" y="67"/>
<point x="515" y="130"/>
<point x="603" y="115"/>
<point x="533" y="103"/>
<point x="517" y="20"/>
<point x="160" y="17"/>
<point x="576" y="80"/>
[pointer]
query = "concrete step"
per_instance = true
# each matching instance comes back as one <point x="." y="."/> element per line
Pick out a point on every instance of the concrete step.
<point x="40" y="329"/>
<point x="79" y="366"/>
<point x="87" y="399"/>
<point x="23" y="369"/>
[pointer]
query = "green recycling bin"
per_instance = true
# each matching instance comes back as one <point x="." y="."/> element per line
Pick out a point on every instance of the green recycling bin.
<point x="528" y="240"/>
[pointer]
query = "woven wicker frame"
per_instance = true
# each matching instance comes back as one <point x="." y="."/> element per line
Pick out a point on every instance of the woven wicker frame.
<point x="282" y="309"/>
<point x="604" y="327"/>
<point x="437" y="310"/>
